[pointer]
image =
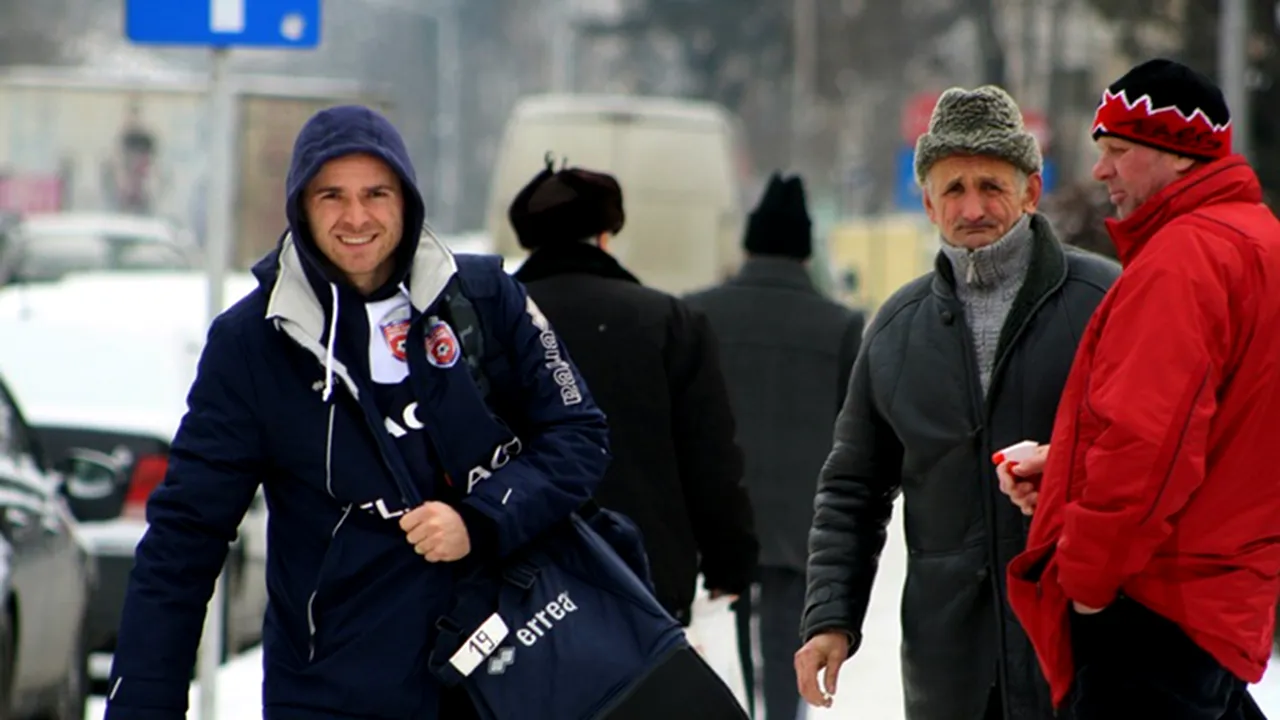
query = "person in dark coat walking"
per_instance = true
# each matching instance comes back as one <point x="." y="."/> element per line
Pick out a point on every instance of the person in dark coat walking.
<point x="339" y="386"/>
<point x="653" y="367"/>
<point x="956" y="365"/>
<point x="787" y="352"/>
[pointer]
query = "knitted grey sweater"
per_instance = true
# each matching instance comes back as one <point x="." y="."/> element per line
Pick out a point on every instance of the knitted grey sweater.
<point x="987" y="281"/>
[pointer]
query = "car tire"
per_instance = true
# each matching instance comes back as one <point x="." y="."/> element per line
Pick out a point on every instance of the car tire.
<point x="74" y="692"/>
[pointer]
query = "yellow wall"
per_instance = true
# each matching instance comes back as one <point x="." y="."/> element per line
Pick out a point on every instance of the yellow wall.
<point x="872" y="257"/>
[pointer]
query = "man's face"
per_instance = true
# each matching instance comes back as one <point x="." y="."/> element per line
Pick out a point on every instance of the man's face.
<point x="355" y="208"/>
<point x="974" y="200"/>
<point x="1133" y="173"/>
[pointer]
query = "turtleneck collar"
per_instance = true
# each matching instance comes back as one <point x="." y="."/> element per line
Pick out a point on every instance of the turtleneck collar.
<point x="1003" y="261"/>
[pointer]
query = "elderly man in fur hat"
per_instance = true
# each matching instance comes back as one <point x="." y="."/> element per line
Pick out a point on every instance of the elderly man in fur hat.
<point x="957" y="365"/>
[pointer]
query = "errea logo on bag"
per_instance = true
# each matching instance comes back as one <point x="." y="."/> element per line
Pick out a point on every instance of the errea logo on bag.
<point x="545" y="620"/>
<point x="486" y="643"/>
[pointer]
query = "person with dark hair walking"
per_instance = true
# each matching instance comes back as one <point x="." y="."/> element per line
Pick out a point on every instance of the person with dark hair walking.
<point x="653" y="366"/>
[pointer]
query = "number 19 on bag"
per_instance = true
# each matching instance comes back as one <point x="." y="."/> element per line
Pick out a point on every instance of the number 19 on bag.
<point x="482" y="643"/>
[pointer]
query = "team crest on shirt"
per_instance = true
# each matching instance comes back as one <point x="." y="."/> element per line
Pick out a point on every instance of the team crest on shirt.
<point x="442" y="345"/>
<point x="395" y="330"/>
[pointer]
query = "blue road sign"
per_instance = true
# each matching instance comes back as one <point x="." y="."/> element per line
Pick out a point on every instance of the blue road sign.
<point x="906" y="192"/>
<point x="1050" y="175"/>
<point x="224" y="23"/>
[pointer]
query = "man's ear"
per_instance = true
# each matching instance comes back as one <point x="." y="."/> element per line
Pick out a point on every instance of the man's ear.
<point x="1035" y="190"/>
<point x="926" y="201"/>
<point x="1183" y="164"/>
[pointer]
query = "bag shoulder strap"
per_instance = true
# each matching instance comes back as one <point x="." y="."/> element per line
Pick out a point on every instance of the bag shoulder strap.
<point x="466" y="319"/>
<point x="466" y="323"/>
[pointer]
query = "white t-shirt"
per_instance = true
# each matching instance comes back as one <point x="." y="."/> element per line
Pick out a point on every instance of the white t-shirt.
<point x="388" y="332"/>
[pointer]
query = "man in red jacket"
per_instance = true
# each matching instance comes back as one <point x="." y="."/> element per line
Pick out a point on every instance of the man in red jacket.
<point x="1150" y="580"/>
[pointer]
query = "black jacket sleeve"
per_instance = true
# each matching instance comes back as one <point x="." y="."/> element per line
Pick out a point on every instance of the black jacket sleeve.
<point x="710" y="461"/>
<point x="856" y="490"/>
<point x="215" y="464"/>
<point x="849" y="345"/>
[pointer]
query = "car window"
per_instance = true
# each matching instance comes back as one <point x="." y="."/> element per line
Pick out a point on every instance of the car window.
<point x="49" y="256"/>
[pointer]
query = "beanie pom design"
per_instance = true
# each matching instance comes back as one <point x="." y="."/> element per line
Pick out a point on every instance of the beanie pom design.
<point x="1168" y="106"/>
<point x="1167" y="127"/>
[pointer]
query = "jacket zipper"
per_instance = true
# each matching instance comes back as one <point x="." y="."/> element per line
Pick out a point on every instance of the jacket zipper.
<point x="328" y="486"/>
<point x="311" y="601"/>
<point x="411" y="496"/>
<point x="979" y="435"/>
<point x="984" y="443"/>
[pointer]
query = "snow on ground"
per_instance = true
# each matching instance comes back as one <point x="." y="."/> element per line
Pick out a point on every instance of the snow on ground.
<point x="870" y="687"/>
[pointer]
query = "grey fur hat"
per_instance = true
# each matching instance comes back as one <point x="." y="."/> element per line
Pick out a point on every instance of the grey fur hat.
<point x="984" y="121"/>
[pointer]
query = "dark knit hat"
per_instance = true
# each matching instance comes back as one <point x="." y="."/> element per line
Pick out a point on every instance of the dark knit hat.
<point x="565" y="206"/>
<point x="984" y="121"/>
<point x="780" y="224"/>
<point x="1168" y="106"/>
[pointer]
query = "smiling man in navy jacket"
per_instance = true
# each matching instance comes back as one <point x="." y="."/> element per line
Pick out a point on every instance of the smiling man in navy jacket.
<point x="339" y="385"/>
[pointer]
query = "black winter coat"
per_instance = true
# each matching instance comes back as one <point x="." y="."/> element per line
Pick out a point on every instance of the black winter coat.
<point x="653" y="367"/>
<point x="915" y="422"/>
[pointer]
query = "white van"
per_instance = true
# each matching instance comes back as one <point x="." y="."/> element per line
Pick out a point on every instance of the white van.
<point x="679" y="163"/>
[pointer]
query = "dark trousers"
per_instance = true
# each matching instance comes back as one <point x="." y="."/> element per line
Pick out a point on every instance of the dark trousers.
<point x="777" y="610"/>
<point x="1133" y="663"/>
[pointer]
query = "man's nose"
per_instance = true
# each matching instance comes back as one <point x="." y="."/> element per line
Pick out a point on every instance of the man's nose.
<point x="972" y="209"/>
<point x="354" y="214"/>
<point x="1102" y="169"/>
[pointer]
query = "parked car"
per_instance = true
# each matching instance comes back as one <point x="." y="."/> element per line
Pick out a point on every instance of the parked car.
<point x="46" y="247"/>
<point x="104" y="362"/>
<point x="47" y="576"/>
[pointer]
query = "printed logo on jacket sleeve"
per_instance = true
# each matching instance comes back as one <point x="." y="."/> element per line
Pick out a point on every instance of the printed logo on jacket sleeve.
<point x="443" y="350"/>
<point x="561" y="370"/>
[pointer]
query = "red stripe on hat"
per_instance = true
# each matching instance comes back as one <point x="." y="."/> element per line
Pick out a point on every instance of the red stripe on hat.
<point x="1165" y="127"/>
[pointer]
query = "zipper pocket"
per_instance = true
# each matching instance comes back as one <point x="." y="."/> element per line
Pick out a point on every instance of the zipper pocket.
<point x="311" y="600"/>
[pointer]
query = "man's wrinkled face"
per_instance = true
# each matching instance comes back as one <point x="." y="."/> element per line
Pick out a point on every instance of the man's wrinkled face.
<point x="355" y="209"/>
<point x="974" y="200"/>
<point x="1134" y="173"/>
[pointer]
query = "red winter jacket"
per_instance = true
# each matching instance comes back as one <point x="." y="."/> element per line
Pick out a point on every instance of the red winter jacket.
<point x="1162" y="479"/>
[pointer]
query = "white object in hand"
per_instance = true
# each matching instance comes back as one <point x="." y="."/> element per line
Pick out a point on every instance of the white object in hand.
<point x="1016" y="453"/>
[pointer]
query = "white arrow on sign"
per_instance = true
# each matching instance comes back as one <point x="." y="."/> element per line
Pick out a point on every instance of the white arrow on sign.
<point x="226" y="16"/>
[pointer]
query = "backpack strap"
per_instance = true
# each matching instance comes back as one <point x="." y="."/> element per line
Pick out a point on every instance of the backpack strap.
<point x="466" y="323"/>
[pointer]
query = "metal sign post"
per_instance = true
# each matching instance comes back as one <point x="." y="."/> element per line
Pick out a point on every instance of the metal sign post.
<point x="221" y="25"/>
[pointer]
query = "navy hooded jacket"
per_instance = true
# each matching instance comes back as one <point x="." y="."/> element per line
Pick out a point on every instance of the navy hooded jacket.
<point x="352" y="608"/>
